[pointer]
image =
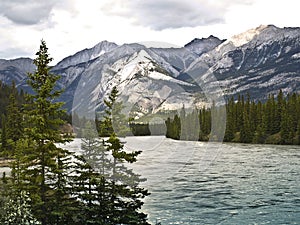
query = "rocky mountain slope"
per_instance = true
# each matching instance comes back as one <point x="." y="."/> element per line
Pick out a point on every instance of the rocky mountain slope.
<point x="203" y="45"/>
<point x="15" y="70"/>
<point x="259" y="61"/>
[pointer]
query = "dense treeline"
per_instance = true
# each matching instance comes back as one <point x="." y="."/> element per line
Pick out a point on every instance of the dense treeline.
<point x="50" y="185"/>
<point x="144" y="129"/>
<point x="275" y="121"/>
<point x="6" y="93"/>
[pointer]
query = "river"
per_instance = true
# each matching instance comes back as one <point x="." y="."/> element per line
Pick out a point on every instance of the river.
<point x="214" y="183"/>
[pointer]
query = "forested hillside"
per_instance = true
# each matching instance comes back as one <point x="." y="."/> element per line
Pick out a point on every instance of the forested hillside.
<point x="275" y="121"/>
<point x="6" y="92"/>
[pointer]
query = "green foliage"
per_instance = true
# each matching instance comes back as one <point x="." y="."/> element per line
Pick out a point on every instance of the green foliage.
<point x="140" y="129"/>
<point x="51" y="185"/>
<point x="17" y="210"/>
<point x="5" y="92"/>
<point x="44" y="169"/>
<point x="11" y="119"/>
<point x="126" y="195"/>
<point x="173" y="128"/>
<point x="113" y="120"/>
<point x="4" y="139"/>
<point x="13" y="124"/>
<point x="274" y="122"/>
<point x="108" y="191"/>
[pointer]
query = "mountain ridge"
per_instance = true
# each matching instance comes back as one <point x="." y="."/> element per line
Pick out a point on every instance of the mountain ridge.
<point x="259" y="61"/>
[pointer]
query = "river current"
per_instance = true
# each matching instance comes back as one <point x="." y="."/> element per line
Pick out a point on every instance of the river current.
<point x="213" y="183"/>
<point x="217" y="183"/>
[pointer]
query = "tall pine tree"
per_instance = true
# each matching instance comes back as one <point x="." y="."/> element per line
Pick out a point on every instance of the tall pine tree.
<point x="125" y="193"/>
<point x="45" y="166"/>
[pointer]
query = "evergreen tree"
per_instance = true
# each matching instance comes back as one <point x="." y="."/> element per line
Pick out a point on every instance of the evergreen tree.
<point x="90" y="183"/>
<point x="229" y="132"/>
<point x="270" y="110"/>
<point x="279" y="111"/>
<point x="184" y="124"/>
<point x="292" y="112"/>
<point x="45" y="166"/>
<point x="259" y="115"/>
<point x="4" y="141"/>
<point x="253" y="117"/>
<point x="105" y="126"/>
<point x="205" y="123"/>
<point x="14" y="123"/>
<point x="239" y="108"/>
<point x="259" y="136"/>
<point x="125" y="195"/>
<point x="92" y="191"/>
<point x="285" y="129"/>
<point x="17" y="210"/>
<point x="92" y="146"/>
<point x="176" y="127"/>
<point x="168" y="125"/>
<point x="246" y="132"/>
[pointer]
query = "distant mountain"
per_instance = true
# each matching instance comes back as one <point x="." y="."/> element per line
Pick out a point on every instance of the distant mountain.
<point x="145" y="78"/>
<point x="87" y="54"/>
<point x="15" y="70"/>
<point x="259" y="61"/>
<point x="203" y="45"/>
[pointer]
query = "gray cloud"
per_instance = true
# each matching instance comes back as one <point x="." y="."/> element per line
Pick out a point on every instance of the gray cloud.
<point x="12" y="53"/>
<point x="27" y="12"/>
<point x="159" y="15"/>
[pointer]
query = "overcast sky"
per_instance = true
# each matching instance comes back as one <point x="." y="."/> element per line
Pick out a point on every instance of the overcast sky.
<point x="69" y="26"/>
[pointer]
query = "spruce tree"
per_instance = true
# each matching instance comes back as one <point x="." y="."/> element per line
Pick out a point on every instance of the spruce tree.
<point x="4" y="141"/>
<point x="245" y="134"/>
<point x="168" y="125"/>
<point x="177" y="127"/>
<point x="92" y="191"/>
<point x="45" y="166"/>
<point x="14" y="123"/>
<point x="90" y="183"/>
<point x="92" y="147"/>
<point x="279" y="111"/>
<point x="17" y="211"/>
<point x="229" y="132"/>
<point x="124" y="191"/>
<point x="285" y="129"/>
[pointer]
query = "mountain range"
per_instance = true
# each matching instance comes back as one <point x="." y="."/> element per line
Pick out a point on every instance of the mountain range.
<point x="260" y="61"/>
